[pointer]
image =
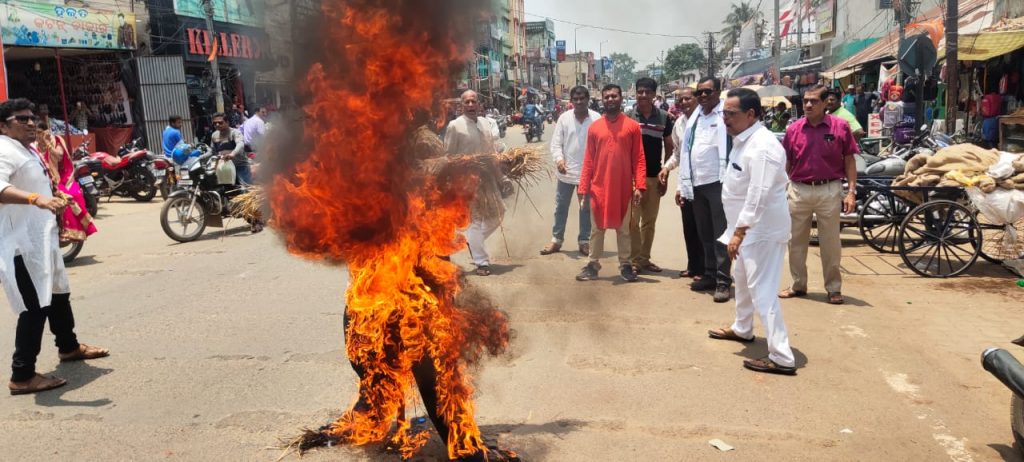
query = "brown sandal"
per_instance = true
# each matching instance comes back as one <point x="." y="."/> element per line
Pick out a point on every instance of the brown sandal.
<point x="728" y="334"/>
<point x="649" y="266"/>
<point x="835" y="298"/>
<point x="84" y="352"/>
<point x="483" y="271"/>
<point x="36" y="384"/>
<point x="551" y="248"/>
<point x="790" y="293"/>
<point x="768" y="366"/>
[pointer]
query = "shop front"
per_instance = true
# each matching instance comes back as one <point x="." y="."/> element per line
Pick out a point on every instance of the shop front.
<point x="242" y="50"/>
<point x="74" y="63"/>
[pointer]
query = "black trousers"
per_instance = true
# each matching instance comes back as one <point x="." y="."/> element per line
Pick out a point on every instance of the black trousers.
<point x="29" y="336"/>
<point x="694" y="248"/>
<point x="711" y="224"/>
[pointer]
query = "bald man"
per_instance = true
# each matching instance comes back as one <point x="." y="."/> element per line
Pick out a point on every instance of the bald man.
<point x="471" y="135"/>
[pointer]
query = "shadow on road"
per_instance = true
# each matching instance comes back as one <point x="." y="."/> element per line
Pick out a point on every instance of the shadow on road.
<point x="82" y="262"/>
<point x="78" y="375"/>
<point x="1008" y="453"/>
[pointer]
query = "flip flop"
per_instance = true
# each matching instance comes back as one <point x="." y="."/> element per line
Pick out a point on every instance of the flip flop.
<point x="768" y="366"/>
<point x="835" y="298"/>
<point x="37" y="384"/>
<point x="483" y="271"/>
<point x="728" y="334"/>
<point x="790" y="293"/>
<point x="84" y="352"/>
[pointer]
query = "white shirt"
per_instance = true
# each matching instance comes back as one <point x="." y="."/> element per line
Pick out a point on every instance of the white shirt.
<point x="466" y="137"/>
<point x="569" y="143"/>
<point x="710" y="145"/>
<point x="754" y="188"/>
<point x="27" y="230"/>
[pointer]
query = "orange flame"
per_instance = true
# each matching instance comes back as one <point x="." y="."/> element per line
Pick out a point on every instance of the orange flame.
<point x="358" y="198"/>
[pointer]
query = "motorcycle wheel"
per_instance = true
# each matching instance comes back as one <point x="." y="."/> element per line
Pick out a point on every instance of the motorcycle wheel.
<point x="92" y="204"/>
<point x="1017" y="421"/>
<point x="178" y="215"/>
<point x="165" y="189"/>
<point x="71" y="249"/>
<point x="146" y="190"/>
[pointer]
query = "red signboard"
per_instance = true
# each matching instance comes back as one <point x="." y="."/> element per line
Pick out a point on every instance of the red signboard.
<point x="226" y="44"/>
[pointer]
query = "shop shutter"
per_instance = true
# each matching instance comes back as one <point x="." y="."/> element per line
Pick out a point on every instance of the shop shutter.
<point x="164" y="93"/>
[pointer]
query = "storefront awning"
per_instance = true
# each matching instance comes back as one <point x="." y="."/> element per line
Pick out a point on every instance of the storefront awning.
<point x="973" y="14"/>
<point x="811" y="64"/>
<point x="840" y="74"/>
<point x="988" y="45"/>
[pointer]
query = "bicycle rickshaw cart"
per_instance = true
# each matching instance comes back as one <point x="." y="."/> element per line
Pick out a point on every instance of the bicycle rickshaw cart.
<point x="941" y="234"/>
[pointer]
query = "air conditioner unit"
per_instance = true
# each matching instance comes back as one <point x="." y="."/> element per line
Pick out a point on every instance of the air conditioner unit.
<point x="884" y="4"/>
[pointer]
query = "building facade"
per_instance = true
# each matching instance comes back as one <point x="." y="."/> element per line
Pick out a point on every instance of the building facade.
<point x="540" y="55"/>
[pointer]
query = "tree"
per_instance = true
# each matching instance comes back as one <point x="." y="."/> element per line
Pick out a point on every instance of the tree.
<point x="738" y="17"/>
<point x="623" y="71"/>
<point x="682" y="58"/>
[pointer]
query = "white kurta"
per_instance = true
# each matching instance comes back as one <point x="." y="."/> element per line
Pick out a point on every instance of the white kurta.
<point x="27" y="230"/>
<point x="569" y="143"/>
<point x="754" y="196"/>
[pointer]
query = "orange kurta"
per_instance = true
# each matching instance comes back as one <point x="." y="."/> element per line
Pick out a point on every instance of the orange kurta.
<point x="613" y="166"/>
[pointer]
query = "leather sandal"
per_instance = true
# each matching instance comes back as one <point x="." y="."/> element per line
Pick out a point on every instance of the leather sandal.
<point x="36" y="384"/>
<point x="551" y="248"/>
<point x="650" y="266"/>
<point x="84" y="352"/>
<point x="835" y="298"/>
<point x="483" y="270"/>
<point x="728" y="334"/>
<point x="790" y="293"/>
<point x="768" y="366"/>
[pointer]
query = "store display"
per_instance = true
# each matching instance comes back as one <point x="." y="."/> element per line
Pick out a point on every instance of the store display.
<point x="96" y="83"/>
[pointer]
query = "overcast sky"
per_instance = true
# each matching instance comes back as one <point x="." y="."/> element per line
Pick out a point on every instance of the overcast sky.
<point x="686" y="17"/>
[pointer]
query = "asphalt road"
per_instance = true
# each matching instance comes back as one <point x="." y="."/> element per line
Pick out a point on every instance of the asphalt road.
<point x="224" y="347"/>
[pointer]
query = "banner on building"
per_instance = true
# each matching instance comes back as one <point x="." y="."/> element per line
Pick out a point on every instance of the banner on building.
<point x="244" y="12"/>
<point x="231" y="44"/>
<point x="826" y="15"/>
<point x="560" y="50"/>
<point x="59" y="26"/>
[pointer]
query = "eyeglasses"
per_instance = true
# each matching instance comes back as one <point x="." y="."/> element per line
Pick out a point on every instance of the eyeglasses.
<point x="218" y="123"/>
<point x="23" y="118"/>
<point x="704" y="92"/>
<point x="730" y="113"/>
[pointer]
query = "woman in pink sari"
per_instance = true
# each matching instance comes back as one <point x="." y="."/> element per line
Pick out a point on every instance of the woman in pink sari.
<point x="76" y="224"/>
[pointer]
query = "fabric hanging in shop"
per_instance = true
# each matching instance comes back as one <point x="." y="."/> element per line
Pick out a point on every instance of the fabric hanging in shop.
<point x="3" y="75"/>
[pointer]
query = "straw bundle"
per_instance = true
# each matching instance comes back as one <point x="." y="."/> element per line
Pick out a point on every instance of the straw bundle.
<point x="250" y="205"/>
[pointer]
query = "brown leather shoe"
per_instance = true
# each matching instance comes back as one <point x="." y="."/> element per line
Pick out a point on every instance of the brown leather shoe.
<point x="36" y="384"/>
<point x="585" y="249"/>
<point x="84" y="352"/>
<point x="551" y="248"/>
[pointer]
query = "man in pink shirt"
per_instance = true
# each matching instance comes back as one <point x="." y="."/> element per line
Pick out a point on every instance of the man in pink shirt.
<point x="820" y="152"/>
<point x="614" y="178"/>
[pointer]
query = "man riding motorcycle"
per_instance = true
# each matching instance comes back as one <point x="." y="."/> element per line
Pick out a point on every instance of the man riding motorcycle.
<point x="531" y="115"/>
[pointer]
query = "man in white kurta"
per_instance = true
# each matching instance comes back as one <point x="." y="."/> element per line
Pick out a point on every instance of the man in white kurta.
<point x="754" y="198"/>
<point x="470" y="134"/>
<point x="31" y="265"/>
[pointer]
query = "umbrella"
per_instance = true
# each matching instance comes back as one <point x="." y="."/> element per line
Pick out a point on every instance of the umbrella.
<point x="769" y="101"/>
<point x="776" y="90"/>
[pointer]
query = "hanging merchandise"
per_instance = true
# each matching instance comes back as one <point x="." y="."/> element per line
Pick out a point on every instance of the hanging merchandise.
<point x="991" y="105"/>
<point x="1004" y="84"/>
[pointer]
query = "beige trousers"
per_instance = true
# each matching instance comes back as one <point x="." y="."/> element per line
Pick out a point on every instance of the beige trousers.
<point x="621" y="239"/>
<point x="641" y="224"/>
<point x="826" y="203"/>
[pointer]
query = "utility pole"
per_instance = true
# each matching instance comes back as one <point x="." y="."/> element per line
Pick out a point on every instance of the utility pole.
<point x="952" y="63"/>
<point x="902" y="9"/>
<point x="800" y="24"/>
<point x="777" y="47"/>
<point x="711" y="54"/>
<point x="218" y="93"/>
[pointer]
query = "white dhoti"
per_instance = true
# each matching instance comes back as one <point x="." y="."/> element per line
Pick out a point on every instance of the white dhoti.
<point x="476" y="235"/>
<point x="757" y="273"/>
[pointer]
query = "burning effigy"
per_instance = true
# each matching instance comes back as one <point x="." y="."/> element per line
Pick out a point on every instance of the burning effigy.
<point x="372" y="190"/>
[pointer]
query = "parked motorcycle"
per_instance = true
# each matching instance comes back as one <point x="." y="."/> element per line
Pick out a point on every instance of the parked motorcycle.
<point x="126" y="174"/>
<point x="85" y="179"/>
<point x="1008" y="370"/>
<point x="893" y="160"/>
<point x="165" y="172"/>
<point x="200" y="200"/>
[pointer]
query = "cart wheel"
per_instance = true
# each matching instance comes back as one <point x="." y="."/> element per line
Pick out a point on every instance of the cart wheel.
<point x="997" y="244"/>
<point x="880" y="218"/>
<point x="939" y="239"/>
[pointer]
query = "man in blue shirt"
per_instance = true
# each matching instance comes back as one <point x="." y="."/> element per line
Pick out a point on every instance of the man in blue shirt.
<point x="172" y="135"/>
<point x="531" y="114"/>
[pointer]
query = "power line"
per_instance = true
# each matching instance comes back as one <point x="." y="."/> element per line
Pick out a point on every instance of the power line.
<point x="611" y="29"/>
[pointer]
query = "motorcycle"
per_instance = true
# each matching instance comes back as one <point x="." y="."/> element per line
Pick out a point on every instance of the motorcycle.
<point x="85" y="179"/>
<point x="893" y="160"/>
<point x="533" y="131"/>
<point x="502" y="123"/>
<point x="1008" y="370"/>
<point x="165" y="172"/>
<point x="200" y="200"/>
<point x="126" y="174"/>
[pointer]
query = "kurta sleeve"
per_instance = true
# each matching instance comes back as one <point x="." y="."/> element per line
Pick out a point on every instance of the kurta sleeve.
<point x="765" y="169"/>
<point x="639" y="160"/>
<point x="450" y="139"/>
<point x="7" y="169"/>
<point x="589" y="158"/>
<point x="678" y="130"/>
<point x="556" y="142"/>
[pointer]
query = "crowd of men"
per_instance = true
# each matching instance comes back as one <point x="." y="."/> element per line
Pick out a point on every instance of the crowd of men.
<point x="745" y="198"/>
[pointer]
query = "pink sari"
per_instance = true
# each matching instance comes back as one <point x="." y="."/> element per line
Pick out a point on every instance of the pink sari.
<point x="76" y="223"/>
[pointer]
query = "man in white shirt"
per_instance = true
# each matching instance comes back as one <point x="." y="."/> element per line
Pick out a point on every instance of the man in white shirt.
<point x="703" y="155"/>
<point x="568" y="144"/>
<point x="754" y="197"/>
<point x="470" y="135"/>
<point x="254" y="129"/>
<point x="31" y="265"/>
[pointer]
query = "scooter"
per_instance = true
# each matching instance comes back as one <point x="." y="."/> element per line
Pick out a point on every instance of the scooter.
<point x="1008" y="370"/>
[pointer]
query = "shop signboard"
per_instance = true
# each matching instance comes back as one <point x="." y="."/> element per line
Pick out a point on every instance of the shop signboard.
<point x="560" y="50"/>
<point x="233" y="44"/>
<point x="59" y="26"/>
<point x="826" y="15"/>
<point x="243" y="12"/>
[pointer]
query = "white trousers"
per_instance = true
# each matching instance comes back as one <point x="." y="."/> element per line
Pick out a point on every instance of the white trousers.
<point x="757" y="273"/>
<point x="476" y="235"/>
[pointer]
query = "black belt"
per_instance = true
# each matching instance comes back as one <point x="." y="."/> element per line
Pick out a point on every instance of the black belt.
<point x="816" y="182"/>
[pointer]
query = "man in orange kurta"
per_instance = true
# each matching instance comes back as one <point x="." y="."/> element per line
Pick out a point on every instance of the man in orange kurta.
<point x="614" y="177"/>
